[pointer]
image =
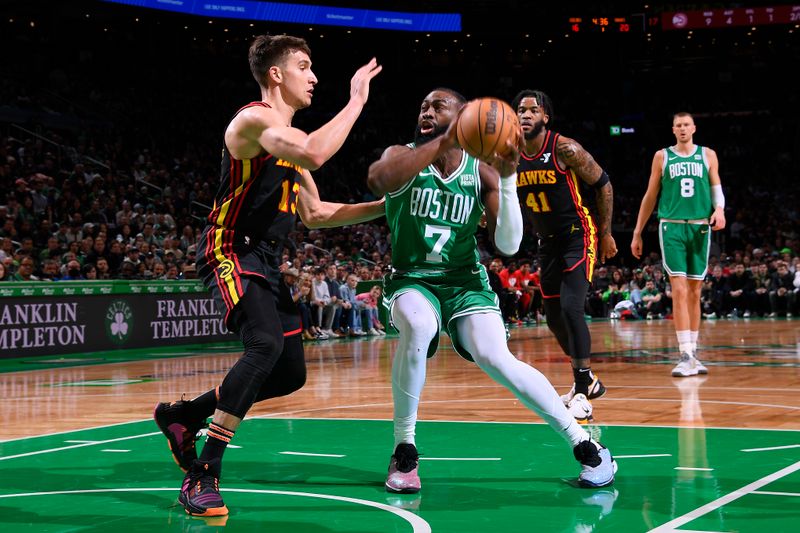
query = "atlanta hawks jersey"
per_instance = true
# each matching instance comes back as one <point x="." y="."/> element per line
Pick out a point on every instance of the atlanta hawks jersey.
<point x="551" y="198"/>
<point x="256" y="197"/>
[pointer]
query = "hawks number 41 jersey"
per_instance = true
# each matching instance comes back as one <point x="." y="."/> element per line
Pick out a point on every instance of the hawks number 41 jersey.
<point x="551" y="198"/>
<point x="685" y="189"/>
<point x="433" y="219"/>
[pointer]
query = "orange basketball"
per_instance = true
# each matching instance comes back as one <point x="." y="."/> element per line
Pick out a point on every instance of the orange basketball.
<point x="485" y="125"/>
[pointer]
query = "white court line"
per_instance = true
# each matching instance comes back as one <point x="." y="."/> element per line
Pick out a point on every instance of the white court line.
<point x="50" y="450"/>
<point x="772" y="448"/>
<point x="698" y="531"/>
<point x="418" y="524"/>
<point x="76" y="430"/>
<point x="313" y="454"/>
<point x="694" y="468"/>
<point x="760" y="390"/>
<point x="672" y="525"/>
<point x="80" y="441"/>
<point x="720" y="402"/>
<point x="472" y="400"/>
<point x="770" y="493"/>
<point x="279" y="416"/>
<point x="642" y="456"/>
<point x="285" y="416"/>
<point x="112" y="450"/>
<point x="460" y="459"/>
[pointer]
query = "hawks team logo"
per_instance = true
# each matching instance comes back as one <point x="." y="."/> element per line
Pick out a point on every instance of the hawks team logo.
<point x="225" y="269"/>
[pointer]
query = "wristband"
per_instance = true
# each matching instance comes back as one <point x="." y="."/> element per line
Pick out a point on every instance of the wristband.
<point x="601" y="181"/>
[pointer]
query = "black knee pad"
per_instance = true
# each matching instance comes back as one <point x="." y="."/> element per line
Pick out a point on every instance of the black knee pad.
<point x="288" y="374"/>
<point x="262" y="336"/>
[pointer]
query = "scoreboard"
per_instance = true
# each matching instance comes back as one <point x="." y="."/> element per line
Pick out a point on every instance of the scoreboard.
<point x="635" y="23"/>
<point x="723" y="18"/>
<point x="684" y="20"/>
<point x="601" y="24"/>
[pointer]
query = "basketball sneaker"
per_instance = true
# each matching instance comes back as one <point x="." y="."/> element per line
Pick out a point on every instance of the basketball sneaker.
<point x="200" y="490"/>
<point x="403" y="477"/>
<point x="181" y="432"/>
<point x="598" y="464"/>
<point x="596" y="389"/>
<point x="581" y="409"/>
<point x="701" y="368"/>
<point x="687" y="366"/>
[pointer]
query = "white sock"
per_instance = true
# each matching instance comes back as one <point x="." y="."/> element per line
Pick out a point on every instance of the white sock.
<point x="484" y="337"/>
<point x="695" y="334"/>
<point x="685" y="341"/>
<point x="417" y="325"/>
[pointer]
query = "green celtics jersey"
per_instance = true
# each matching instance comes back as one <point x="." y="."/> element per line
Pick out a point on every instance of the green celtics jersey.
<point x="685" y="190"/>
<point x="433" y="219"/>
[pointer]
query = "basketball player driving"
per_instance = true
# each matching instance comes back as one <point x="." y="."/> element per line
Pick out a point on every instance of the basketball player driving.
<point x="435" y="195"/>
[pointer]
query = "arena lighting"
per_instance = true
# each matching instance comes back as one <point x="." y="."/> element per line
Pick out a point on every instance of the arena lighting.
<point x="306" y="14"/>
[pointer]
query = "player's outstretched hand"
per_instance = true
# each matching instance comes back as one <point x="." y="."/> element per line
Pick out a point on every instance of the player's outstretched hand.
<point x="359" y="84"/>
<point x="506" y="162"/>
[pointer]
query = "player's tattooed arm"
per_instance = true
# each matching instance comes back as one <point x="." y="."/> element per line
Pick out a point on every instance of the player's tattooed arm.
<point x="572" y="155"/>
<point x="605" y="207"/>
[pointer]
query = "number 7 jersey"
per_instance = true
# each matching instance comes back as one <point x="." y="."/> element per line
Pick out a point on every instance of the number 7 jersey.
<point x="433" y="219"/>
<point x="551" y="197"/>
<point x="685" y="189"/>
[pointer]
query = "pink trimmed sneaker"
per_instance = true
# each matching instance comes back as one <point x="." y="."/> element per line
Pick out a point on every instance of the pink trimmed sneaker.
<point x="403" y="477"/>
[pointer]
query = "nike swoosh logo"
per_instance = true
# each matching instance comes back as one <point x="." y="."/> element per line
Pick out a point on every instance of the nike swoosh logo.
<point x="672" y="158"/>
<point x="476" y="271"/>
<point x="703" y="231"/>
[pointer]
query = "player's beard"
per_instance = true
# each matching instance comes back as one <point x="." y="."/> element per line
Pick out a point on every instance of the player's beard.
<point x="535" y="130"/>
<point x="420" y="139"/>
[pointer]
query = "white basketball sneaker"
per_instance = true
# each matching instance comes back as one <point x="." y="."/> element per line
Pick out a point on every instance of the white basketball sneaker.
<point x="701" y="368"/>
<point x="686" y="367"/>
<point x="580" y="408"/>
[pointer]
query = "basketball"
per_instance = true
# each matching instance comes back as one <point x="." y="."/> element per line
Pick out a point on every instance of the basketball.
<point x="485" y="125"/>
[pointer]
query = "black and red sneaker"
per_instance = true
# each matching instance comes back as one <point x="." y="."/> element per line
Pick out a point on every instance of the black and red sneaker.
<point x="200" y="490"/>
<point x="181" y="432"/>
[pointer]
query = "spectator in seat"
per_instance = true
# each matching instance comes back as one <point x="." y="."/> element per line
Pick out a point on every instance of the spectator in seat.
<point x="25" y="270"/>
<point x="713" y="293"/>
<point x="652" y="305"/>
<point x="739" y="292"/>
<point x="369" y="318"/>
<point x="351" y="306"/>
<point x="781" y="294"/>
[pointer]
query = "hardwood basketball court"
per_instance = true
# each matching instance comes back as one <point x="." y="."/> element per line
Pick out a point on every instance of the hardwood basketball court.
<point x="715" y="453"/>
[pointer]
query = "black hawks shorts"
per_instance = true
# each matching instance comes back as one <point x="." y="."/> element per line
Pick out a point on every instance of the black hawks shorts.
<point x="228" y="263"/>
